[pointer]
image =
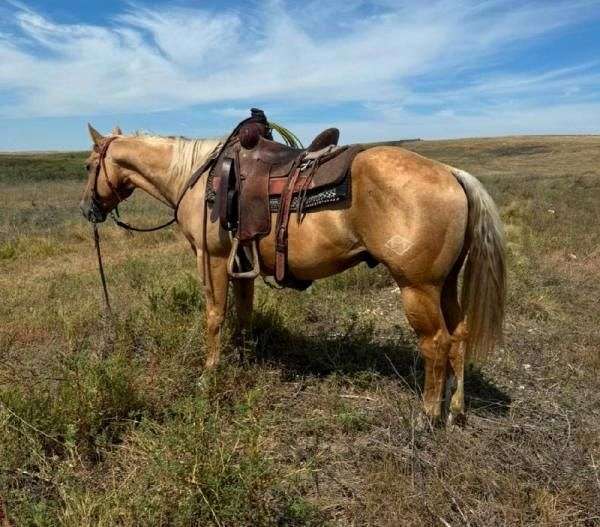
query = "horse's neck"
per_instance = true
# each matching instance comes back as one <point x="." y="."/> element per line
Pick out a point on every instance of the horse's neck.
<point x="147" y="165"/>
<point x="162" y="166"/>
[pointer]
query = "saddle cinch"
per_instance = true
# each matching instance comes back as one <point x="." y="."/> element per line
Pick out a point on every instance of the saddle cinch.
<point x="255" y="176"/>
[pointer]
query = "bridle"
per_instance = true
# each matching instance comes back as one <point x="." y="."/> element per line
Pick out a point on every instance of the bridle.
<point x="101" y="167"/>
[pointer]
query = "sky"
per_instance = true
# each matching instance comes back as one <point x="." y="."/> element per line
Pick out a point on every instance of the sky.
<point x="378" y="70"/>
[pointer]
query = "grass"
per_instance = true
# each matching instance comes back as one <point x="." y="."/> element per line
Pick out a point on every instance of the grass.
<point x="315" y="419"/>
<point x="18" y="168"/>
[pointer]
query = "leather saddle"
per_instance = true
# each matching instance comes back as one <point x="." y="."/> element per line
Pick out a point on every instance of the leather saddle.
<point x="252" y="170"/>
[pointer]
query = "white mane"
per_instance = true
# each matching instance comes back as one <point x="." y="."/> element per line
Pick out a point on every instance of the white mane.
<point x="189" y="154"/>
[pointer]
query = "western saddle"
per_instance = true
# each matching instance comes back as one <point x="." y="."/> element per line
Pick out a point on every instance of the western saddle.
<point x="254" y="176"/>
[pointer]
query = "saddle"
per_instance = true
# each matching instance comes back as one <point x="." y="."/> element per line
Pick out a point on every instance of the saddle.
<point x="255" y="176"/>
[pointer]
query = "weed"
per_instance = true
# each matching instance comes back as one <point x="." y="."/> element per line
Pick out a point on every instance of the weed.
<point x="8" y="251"/>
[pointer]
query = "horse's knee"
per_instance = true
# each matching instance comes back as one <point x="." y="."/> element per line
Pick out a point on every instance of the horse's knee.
<point x="436" y="348"/>
<point x="214" y="321"/>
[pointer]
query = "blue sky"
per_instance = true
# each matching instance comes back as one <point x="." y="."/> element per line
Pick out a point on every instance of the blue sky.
<point x="380" y="69"/>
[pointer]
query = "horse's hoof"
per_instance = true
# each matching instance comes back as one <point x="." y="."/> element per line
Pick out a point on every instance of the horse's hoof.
<point x="459" y="420"/>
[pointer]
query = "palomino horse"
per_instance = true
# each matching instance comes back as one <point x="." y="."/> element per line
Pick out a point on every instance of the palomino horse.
<point x="421" y="219"/>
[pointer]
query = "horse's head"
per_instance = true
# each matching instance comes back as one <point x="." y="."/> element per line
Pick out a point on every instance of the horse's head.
<point x="107" y="185"/>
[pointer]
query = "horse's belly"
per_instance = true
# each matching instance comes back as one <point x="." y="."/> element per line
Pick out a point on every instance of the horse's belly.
<point x="321" y="245"/>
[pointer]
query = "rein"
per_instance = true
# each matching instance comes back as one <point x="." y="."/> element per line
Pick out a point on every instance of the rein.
<point x="127" y="227"/>
<point x="101" y="270"/>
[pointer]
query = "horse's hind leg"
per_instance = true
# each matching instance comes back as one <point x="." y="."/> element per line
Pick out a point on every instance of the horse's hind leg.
<point x="456" y="356"/>
<point x="423" y="310"/>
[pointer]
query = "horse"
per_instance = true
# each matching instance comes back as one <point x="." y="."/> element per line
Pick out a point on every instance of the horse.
<point x="423" y="220"/>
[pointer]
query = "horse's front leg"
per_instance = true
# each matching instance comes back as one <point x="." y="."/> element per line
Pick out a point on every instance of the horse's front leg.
<point x="215" y="290"/>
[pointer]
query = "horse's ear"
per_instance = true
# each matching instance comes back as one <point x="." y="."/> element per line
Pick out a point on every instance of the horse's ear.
<point x="96" y="136"/>
<point x="117" y="131"/>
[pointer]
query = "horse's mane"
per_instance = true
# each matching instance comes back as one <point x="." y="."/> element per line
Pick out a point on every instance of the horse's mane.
<point x="188" y="154"/>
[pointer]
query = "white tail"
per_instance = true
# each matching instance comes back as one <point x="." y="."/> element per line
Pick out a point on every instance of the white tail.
<point x="484" y="280"/>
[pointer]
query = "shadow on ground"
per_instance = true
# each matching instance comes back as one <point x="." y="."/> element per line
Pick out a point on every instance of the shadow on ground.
<point x="353" y="350"/>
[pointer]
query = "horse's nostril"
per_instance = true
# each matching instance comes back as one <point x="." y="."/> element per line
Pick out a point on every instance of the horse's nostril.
<point x="92" y="211"/>
<point x="84" y="208"/>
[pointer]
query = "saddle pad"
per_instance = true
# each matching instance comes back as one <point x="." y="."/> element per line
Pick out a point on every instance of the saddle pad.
<point x="316" y="198"/>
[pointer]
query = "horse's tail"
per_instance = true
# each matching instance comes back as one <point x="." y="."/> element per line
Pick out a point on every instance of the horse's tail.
<point x="484" y="280"/>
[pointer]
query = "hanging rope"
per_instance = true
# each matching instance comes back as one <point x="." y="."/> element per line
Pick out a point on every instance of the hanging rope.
<point x="101" y="271"/>
<point x="290" y="138"/>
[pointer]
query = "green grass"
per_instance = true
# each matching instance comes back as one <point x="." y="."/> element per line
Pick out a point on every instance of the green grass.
<point x="315" y="419"/>
<point x="18" y="169"/>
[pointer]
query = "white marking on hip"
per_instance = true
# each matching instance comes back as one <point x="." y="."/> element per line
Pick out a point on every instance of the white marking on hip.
<point x="398" y="244"/>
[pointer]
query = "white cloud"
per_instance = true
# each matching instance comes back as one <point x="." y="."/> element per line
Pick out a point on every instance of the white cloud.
<point x="497" y="93"/>
<point x="498" y="120"/>
<point x="230" y="111"/>
<point x="152" y="59"/>
<point x="189" y="38"/>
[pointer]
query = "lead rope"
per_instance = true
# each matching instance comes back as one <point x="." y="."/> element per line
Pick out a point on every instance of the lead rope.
<point x="109" y="310"/>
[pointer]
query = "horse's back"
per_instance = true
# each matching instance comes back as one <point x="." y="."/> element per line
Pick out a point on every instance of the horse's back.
<point x="398" y="165"/>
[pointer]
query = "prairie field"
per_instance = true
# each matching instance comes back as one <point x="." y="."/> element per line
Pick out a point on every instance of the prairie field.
<point x="316" y="419"/>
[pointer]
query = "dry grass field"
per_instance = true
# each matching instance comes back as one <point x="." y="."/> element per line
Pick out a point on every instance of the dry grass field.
<point x="314" y="421"/>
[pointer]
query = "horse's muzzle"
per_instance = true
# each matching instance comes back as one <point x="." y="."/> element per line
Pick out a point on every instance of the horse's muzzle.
<point x="92" y="211"/>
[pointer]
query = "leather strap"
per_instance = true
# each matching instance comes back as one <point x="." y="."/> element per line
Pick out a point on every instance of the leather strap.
<point x="283" y="219"/>
<point x="102" y="166"/>
<point x="222" y="207"/>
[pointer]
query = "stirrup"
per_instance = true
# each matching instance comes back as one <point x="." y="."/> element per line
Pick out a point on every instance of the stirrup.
<point x="233" y="260"/>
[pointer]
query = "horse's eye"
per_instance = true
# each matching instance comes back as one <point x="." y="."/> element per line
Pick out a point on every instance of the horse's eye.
<point x="87" y="167"/>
